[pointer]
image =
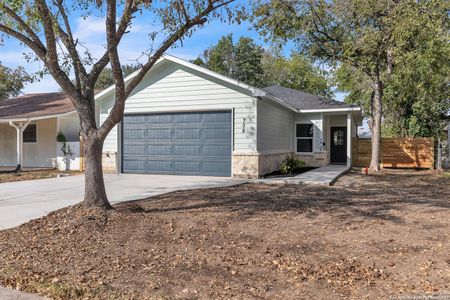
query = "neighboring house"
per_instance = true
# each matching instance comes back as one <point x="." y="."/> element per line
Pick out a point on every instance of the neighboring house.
<point x="29" y="125"/>
<point x="185" y="119"/>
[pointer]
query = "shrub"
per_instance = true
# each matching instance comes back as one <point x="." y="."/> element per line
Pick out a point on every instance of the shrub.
<point x="291" y="163"/>
<point x="61" y="138"/>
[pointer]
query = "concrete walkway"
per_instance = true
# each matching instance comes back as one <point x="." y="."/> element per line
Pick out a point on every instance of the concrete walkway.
<point x="321" y="176"/>
<point x="8" y="294"/>
<point x="23" y="201"/>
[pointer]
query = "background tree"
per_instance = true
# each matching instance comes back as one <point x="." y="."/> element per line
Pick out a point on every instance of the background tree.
<point x="106" y="79"/>
<point x="12" y="81"/>
<point x="364" y="37"/>
<point x="45" y="27"/>
<point x="247" y="62"/>
<point x="241" y="61"/>
<point x="250" y="63"/>
<point x="296" y="72"/>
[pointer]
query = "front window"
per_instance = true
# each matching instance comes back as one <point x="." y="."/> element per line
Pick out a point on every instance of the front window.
<point x="304" y="137"/>
<point x="30" y="134"/>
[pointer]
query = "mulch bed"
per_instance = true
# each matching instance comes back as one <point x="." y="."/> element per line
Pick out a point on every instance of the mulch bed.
<point x="367" y="237"/>
<point x="278" y="174"/>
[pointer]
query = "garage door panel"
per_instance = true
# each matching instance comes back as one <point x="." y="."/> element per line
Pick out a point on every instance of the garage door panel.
<point x="158" y="165"/>
<point x="134" y="164"/>
<point x="178" y="143"/>
<point x="135" y="120"/>
<point x="159" y="133"/>
<point x="159" y="149"/>
<point x="187" y="118"/>
<point x="133" y="150"/>
<point x="187" y="133"/>
<point x="158" y="119"/>
<point x="215" y="150"/>
<point x="187" y="150"/>
<point x="213" y="133"/>
<point x="187" y="166"/>
<point x="215" y="117"/>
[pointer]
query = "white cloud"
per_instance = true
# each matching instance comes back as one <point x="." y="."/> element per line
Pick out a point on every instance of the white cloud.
<point x="89" y="28"/>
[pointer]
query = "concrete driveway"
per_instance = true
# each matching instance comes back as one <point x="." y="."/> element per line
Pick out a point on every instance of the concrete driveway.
<point x="23" y="201"/>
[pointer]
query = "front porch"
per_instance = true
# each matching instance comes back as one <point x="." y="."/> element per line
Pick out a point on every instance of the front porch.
<point x="325" y="138"/>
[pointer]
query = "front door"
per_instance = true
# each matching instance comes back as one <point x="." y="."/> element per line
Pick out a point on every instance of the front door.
<point x="338" y="145"/>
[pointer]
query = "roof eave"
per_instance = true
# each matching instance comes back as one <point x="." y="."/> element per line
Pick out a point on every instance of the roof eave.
<point x="21" y="119"/>
<point x="321" y="110"/>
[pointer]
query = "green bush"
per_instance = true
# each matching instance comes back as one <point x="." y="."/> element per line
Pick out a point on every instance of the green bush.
<point x="291" y="163"/>
<point x="61" y="138"/>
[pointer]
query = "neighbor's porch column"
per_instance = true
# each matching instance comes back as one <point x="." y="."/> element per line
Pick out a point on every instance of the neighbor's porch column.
<point x="20" y="127"/>
<point x="349" y="139"/>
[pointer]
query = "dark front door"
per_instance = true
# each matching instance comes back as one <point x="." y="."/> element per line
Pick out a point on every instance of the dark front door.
<point x="339" y="145"/>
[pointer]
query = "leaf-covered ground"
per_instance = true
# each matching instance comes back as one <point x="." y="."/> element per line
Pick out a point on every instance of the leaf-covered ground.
<point x="367" y="237"/>
<point x="32" y="174"/>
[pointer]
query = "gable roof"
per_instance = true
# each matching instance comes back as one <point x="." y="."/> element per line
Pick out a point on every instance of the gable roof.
<point x="35" y="106"/>
<point x="303" y="101"/>
<point x="44" y="105"/>
<point x="166" y="57"/>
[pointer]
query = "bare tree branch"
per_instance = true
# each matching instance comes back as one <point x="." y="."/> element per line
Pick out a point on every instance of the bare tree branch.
<point x="97" y="68"/>
<point x="40" y="52"/>
<point x="23" y="25"/>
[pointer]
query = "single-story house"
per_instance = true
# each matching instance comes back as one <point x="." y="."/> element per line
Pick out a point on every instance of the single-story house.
<point x="185" y="119"/>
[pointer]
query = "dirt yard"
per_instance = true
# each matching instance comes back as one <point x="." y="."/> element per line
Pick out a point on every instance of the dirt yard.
<point x="368" y="237"/>
<point x="34" y="174"/>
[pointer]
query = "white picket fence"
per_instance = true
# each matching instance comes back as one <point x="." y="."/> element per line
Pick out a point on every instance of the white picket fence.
<point x="70" y="162"/>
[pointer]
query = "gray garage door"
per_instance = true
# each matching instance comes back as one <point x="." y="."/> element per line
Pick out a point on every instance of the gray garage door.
<point x="177" y="143"/>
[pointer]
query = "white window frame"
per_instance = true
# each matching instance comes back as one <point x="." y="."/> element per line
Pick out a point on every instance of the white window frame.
<point x="303" y="138"/>
<point x="35" y="124"/>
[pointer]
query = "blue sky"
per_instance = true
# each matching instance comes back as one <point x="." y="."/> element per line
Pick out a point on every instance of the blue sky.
<point x="90" y="32"/>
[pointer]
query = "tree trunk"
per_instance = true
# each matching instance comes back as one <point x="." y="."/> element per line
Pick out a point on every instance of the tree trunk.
<point x="94" y="191"/>
<point x="376" y="126"/>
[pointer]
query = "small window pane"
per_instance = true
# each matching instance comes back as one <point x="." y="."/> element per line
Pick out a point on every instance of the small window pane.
<point x="338" y="137"/>
<point x="304" y="145"/>
<point x="304" y="130"/>
<point x="29" y="134"/>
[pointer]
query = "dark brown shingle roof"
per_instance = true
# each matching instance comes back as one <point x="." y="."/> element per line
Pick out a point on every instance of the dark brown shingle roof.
<point x="301" y="100"/>
<point x="35" y="106"/>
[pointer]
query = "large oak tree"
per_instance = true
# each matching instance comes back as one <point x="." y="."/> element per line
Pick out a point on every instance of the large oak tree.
<point x="45" y="27"/>
<point x="366" y="37"/>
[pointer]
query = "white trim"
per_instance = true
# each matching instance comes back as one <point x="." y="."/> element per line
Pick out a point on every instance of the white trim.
<point x="303" y="138"/>
<point x="346" y="109"/>
<point x="37" y="118"/>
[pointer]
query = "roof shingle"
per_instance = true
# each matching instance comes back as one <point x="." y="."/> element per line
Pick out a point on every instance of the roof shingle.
<point x="303" y="101"/>
<point x="35" y="106"/>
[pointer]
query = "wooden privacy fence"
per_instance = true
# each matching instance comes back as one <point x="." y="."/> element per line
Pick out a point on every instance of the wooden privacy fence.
<point x="396" y="152"/>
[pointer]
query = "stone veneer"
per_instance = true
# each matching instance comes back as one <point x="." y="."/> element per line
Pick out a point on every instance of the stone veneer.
<point x="254" y="165"/>
<point x="316" y="159"/>
<point x="245" y="165"/>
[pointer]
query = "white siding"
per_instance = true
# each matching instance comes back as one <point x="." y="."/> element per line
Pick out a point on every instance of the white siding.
<point x="171" y="87"/>
<point x="70" y="127"/>
<point x="39" y="154"/>
<point x="274" y="128"/>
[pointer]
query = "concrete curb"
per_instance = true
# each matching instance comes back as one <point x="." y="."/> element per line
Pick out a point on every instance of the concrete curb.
<point x="310" y="178"/>
<point x="10" y="294"/>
